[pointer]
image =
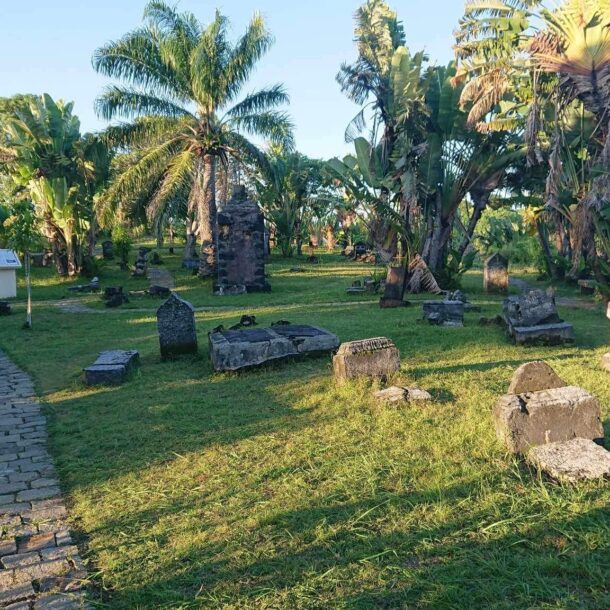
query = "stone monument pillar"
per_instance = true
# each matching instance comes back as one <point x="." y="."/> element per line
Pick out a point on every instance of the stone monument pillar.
<point x="241" y="246"/>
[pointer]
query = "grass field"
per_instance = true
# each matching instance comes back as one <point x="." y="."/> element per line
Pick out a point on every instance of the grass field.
<point x="277" y="488"/>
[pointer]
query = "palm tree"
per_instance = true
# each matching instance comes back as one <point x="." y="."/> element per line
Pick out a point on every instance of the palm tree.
<point x="182" y="80"/>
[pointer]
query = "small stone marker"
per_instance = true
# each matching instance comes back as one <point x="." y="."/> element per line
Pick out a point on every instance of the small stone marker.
<point x="176" y="326"/>
<point x="112" y="367"/>
<point x="232" y="350"/>
<point x="527" y="420"/>
<point x="571" y="461"/>
<point x="495" y="275"/>
<point x="535" y="377"/>
<point x="606" y="362"/>
<point x="444" y="313"/>
<point x="376" y="357"/>
<point x="396" y="394"/>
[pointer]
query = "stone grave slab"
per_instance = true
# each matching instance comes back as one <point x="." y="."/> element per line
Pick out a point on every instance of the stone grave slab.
<point x="377" y="358"/>
<point x="176" y="326"/>
<point x="232" y="350"/>
<point x="535" y="377"/>
<point x="444" y="313"/>
<point x="523" y="421"/>
<point x="397" y="394"/>
<point x="571" y="461"/>
<point x="111" y="367"/>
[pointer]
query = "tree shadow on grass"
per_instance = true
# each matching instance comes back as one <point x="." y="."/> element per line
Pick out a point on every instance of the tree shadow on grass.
<point x="355" y="562"/>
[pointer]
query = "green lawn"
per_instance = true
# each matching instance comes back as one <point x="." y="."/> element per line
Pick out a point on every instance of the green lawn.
<point x="278" y="489"/>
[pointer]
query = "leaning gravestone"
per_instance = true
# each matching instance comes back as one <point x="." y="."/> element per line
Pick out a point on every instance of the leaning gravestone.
<point x="444" y="313"/>
<point x="176" y="326"/>
<point x="241" y="245"/>
<point x="495" y="274"/>
<point x="376" y="358"/>
<point x="532" y="318"/>
<point x="535" y="377"/>
<point x="232" y="350"/>
<point x="111" y="368"/>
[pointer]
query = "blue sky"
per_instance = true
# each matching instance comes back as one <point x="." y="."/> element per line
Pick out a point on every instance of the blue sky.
<point x="46" y="46"/>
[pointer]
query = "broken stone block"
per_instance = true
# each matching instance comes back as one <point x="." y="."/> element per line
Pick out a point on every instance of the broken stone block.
<point x="444" y="313"/>
<point x="232" y="350"/>
<point x="495" y="274"/>
<point x="535" y="377"/>
<point x="111" y="367"/>
<point x="606" y="362"/>
<point x="396" y="394"/>
<point x="571" y="461"/>
<point x="527" y="420"/>
<point x="532" y="318"/>
<point x="377" y="358"/>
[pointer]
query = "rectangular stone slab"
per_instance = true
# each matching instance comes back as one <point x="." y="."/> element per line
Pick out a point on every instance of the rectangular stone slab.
<point x="232" y="350"/>
<point x="523" y="421"/>
<point x="111" y="367"/>
<point x="547" y="334"/>
<point x="572" y="461"/>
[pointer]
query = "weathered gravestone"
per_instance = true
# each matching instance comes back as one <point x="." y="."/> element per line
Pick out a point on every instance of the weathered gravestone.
<point x="176" y="326"/>
<point x="495" y="274"/>
<point x="232" y="350"/>
<point x="532" y="318"/>
<point x="606" y="362"/>
<point x="108" y="250"/>
<point x="111" y="368"/>
<point x="444" y="313"/>
<point x="394" y="289"/>
<point x="376" y="358"/>
<point x="241" y="245"/>
<point x="570" y="461"/>
<point x="545" y="411"/>
<point x="141" y="263"/>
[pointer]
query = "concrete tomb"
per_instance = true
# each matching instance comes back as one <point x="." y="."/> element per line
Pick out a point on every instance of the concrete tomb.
<point x="111" y="367"/>
<point x="376" y="358"/>
<point x="232" y="350"/>
<point x="444" y="313"/>
<point x="176" y="326"/>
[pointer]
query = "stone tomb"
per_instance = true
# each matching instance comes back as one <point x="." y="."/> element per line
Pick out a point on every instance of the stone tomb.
<point x="376" y="358"/>
<point x="495" y="274"/>
<point x="112" y="367"/>
<point x="232" y="350"/>
<point x="176" y="326"/>
<point x="444" y="313"/>
<point x="531" y="318"/>
<point x="241" y="246"/>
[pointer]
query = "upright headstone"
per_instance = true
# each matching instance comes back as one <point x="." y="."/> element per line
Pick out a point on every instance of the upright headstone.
<point x="241" y="245"/>
<point x="376" y="358"/>
<point x="107" y="250"/>
<point x="176" y="326"/>
<point x="495" y="275"/>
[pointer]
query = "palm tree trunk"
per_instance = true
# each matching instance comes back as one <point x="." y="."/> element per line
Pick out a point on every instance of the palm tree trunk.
<point x="207" y="216"/>
<point x="480" y="204"/>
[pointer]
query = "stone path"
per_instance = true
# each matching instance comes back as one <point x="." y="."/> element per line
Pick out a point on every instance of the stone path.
<point x="40" y="568"/>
